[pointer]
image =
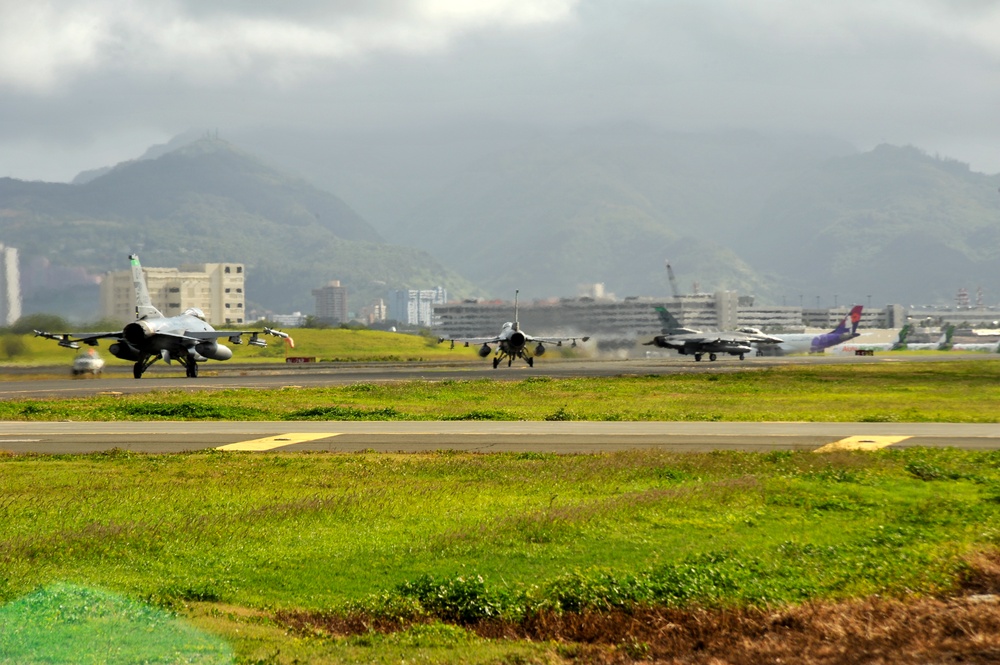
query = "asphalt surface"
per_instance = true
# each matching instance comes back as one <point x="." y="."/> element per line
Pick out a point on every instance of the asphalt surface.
<point x="56" y="382"/>
<point x="555" y="437"/>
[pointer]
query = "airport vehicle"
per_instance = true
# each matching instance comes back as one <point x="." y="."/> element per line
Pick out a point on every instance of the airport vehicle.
<point x="695" y="343"/>
<point x="809" y="343"/>
<point x="512" y="342"/>
<point x="89" y="362"/>
<point x="187" y="338"/>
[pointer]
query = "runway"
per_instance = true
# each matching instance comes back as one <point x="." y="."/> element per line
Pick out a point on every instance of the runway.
<point x="422" y="436"/>
<point x="56" y="382"/>
<point x="481" y="437"/>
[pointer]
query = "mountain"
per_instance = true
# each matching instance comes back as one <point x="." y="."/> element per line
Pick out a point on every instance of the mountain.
<point x="894" y="222"/>
<point x="609" y="205"/>
<point x="787" y="219"/>
<point x="209" y="201"/>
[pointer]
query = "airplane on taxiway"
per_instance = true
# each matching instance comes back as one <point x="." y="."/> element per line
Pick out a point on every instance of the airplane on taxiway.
<point x="810" y="343"/>
<point x="695" y="343"/>
<point x="512" y="342"/>
<point x="187" y="338"/>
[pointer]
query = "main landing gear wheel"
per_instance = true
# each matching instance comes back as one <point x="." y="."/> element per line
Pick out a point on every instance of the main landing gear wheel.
<point x="741" y="356"/>
<point x="138" y="369"/>
<point x="697" y="357"/>
<point x="712" y="356"/>
<point x="531" y="362"/>
<point x="192" y="368"/>
<point x="496" y="362"/>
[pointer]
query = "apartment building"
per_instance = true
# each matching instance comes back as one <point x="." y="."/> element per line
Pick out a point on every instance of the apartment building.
<point x="217" y="289"/>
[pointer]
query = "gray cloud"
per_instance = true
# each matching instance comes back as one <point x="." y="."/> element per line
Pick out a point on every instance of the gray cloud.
<point x="91" y="82"/>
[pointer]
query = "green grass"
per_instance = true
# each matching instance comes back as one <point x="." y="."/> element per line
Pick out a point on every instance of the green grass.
<point x="231" y="538"/>
<point x="967" y="391"/>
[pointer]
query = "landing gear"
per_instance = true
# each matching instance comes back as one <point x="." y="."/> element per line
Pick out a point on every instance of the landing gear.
<point x="192" y="368"/>
<point x="496" y="362"/>
<point x="531" y="362"/>
<point x="697" y="357"/>
<point x="712" y="356"/>
<point x="741" y="356"/>
<point x="142" y="365"/>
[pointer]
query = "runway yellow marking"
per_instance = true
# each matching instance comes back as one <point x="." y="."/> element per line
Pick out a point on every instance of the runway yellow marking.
<point x="278" y="441"/>
<point x="861" y="443"/>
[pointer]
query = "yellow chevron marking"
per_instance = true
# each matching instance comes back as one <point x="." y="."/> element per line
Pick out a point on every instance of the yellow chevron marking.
<point x="278" y="441"/>
<point x="861" y="443"/>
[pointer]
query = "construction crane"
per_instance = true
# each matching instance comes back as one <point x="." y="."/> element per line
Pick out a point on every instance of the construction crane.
<point x="673" y="282"/>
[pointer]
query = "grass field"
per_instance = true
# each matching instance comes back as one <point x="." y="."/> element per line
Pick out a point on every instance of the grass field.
<point x="301" y="556"/>
<point x="967" y="391"/>
<point x="278" y="558"/>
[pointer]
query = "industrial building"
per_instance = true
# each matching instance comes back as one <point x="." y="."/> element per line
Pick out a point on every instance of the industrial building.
<point x="214" y="288"/>
<point x="613" y="322"/>
<point x="10" y="286"/>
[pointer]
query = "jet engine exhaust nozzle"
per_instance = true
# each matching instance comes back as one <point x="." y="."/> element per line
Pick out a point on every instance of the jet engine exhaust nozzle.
<point x="516" y="339"/>
<point x="137" y="331"/>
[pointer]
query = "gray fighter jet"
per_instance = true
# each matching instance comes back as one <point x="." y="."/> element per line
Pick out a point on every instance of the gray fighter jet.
<point x="512" y="342"/>
<point x="187" y="338"/>
<point x="695" y="343"/>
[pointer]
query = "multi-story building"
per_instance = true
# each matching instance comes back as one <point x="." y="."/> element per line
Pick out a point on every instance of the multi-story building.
<point x="10" y="286"/>
<point x="217" y="289"/>
<point x="415" y="307"/>
<point x="331" y="303"/>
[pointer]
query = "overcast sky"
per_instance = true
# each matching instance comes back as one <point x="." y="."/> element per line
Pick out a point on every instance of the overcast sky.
<point x="87" y="83"/>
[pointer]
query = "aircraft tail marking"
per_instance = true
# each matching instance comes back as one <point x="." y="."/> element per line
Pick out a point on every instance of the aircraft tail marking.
<point x="143" y="303"/>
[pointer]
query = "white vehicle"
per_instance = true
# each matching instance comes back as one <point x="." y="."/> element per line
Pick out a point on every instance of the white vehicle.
<point x="88" y="363"/>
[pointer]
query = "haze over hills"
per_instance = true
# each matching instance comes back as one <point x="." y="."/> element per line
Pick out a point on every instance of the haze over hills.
<point x="777" y="217"/>
<point x="207" y="202"/>
<point x="784" y="219"/>
<point x="895" y="222"/>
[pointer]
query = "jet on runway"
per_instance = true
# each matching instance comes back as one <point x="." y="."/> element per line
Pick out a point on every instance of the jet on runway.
<point x="512" y="342"/>
<point x="690" y="342"/>
<point x="187" y="338"/>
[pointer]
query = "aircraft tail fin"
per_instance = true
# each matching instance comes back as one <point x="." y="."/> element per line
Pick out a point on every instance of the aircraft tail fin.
<point x="852" y="319"/>
<point x="143" y="303"/>
<point x="517" y="324"/>
<point x="945" y="342"/>
<point x="671" y="326"/>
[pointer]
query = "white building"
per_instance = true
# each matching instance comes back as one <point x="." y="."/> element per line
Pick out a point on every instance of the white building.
<point x="10" y="286"/>
<point x="214" y="288"/>
<point x="415" y="307"/>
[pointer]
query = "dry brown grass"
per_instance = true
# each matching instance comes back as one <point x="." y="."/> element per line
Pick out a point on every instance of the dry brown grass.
<point x="964" y="628"/>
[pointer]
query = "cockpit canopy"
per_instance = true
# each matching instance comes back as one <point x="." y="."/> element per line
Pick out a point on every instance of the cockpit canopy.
<point x="195" y="312"/>
<point x="508" y="324"/>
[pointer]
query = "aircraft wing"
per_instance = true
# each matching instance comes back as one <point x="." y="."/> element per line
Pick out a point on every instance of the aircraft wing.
<point x="556" y="340"/>
<point x="470" y="340"/>
<point x="72" y="340"/>
<point x="236" y="336"/>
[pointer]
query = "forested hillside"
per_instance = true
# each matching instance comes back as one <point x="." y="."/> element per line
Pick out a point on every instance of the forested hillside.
<point x="210" y="202"/>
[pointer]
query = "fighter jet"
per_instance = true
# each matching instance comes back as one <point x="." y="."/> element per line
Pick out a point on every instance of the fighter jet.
<point x="695" y="343"/>
<point x="187" y="338"/>
<point x="512" y="342"/>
